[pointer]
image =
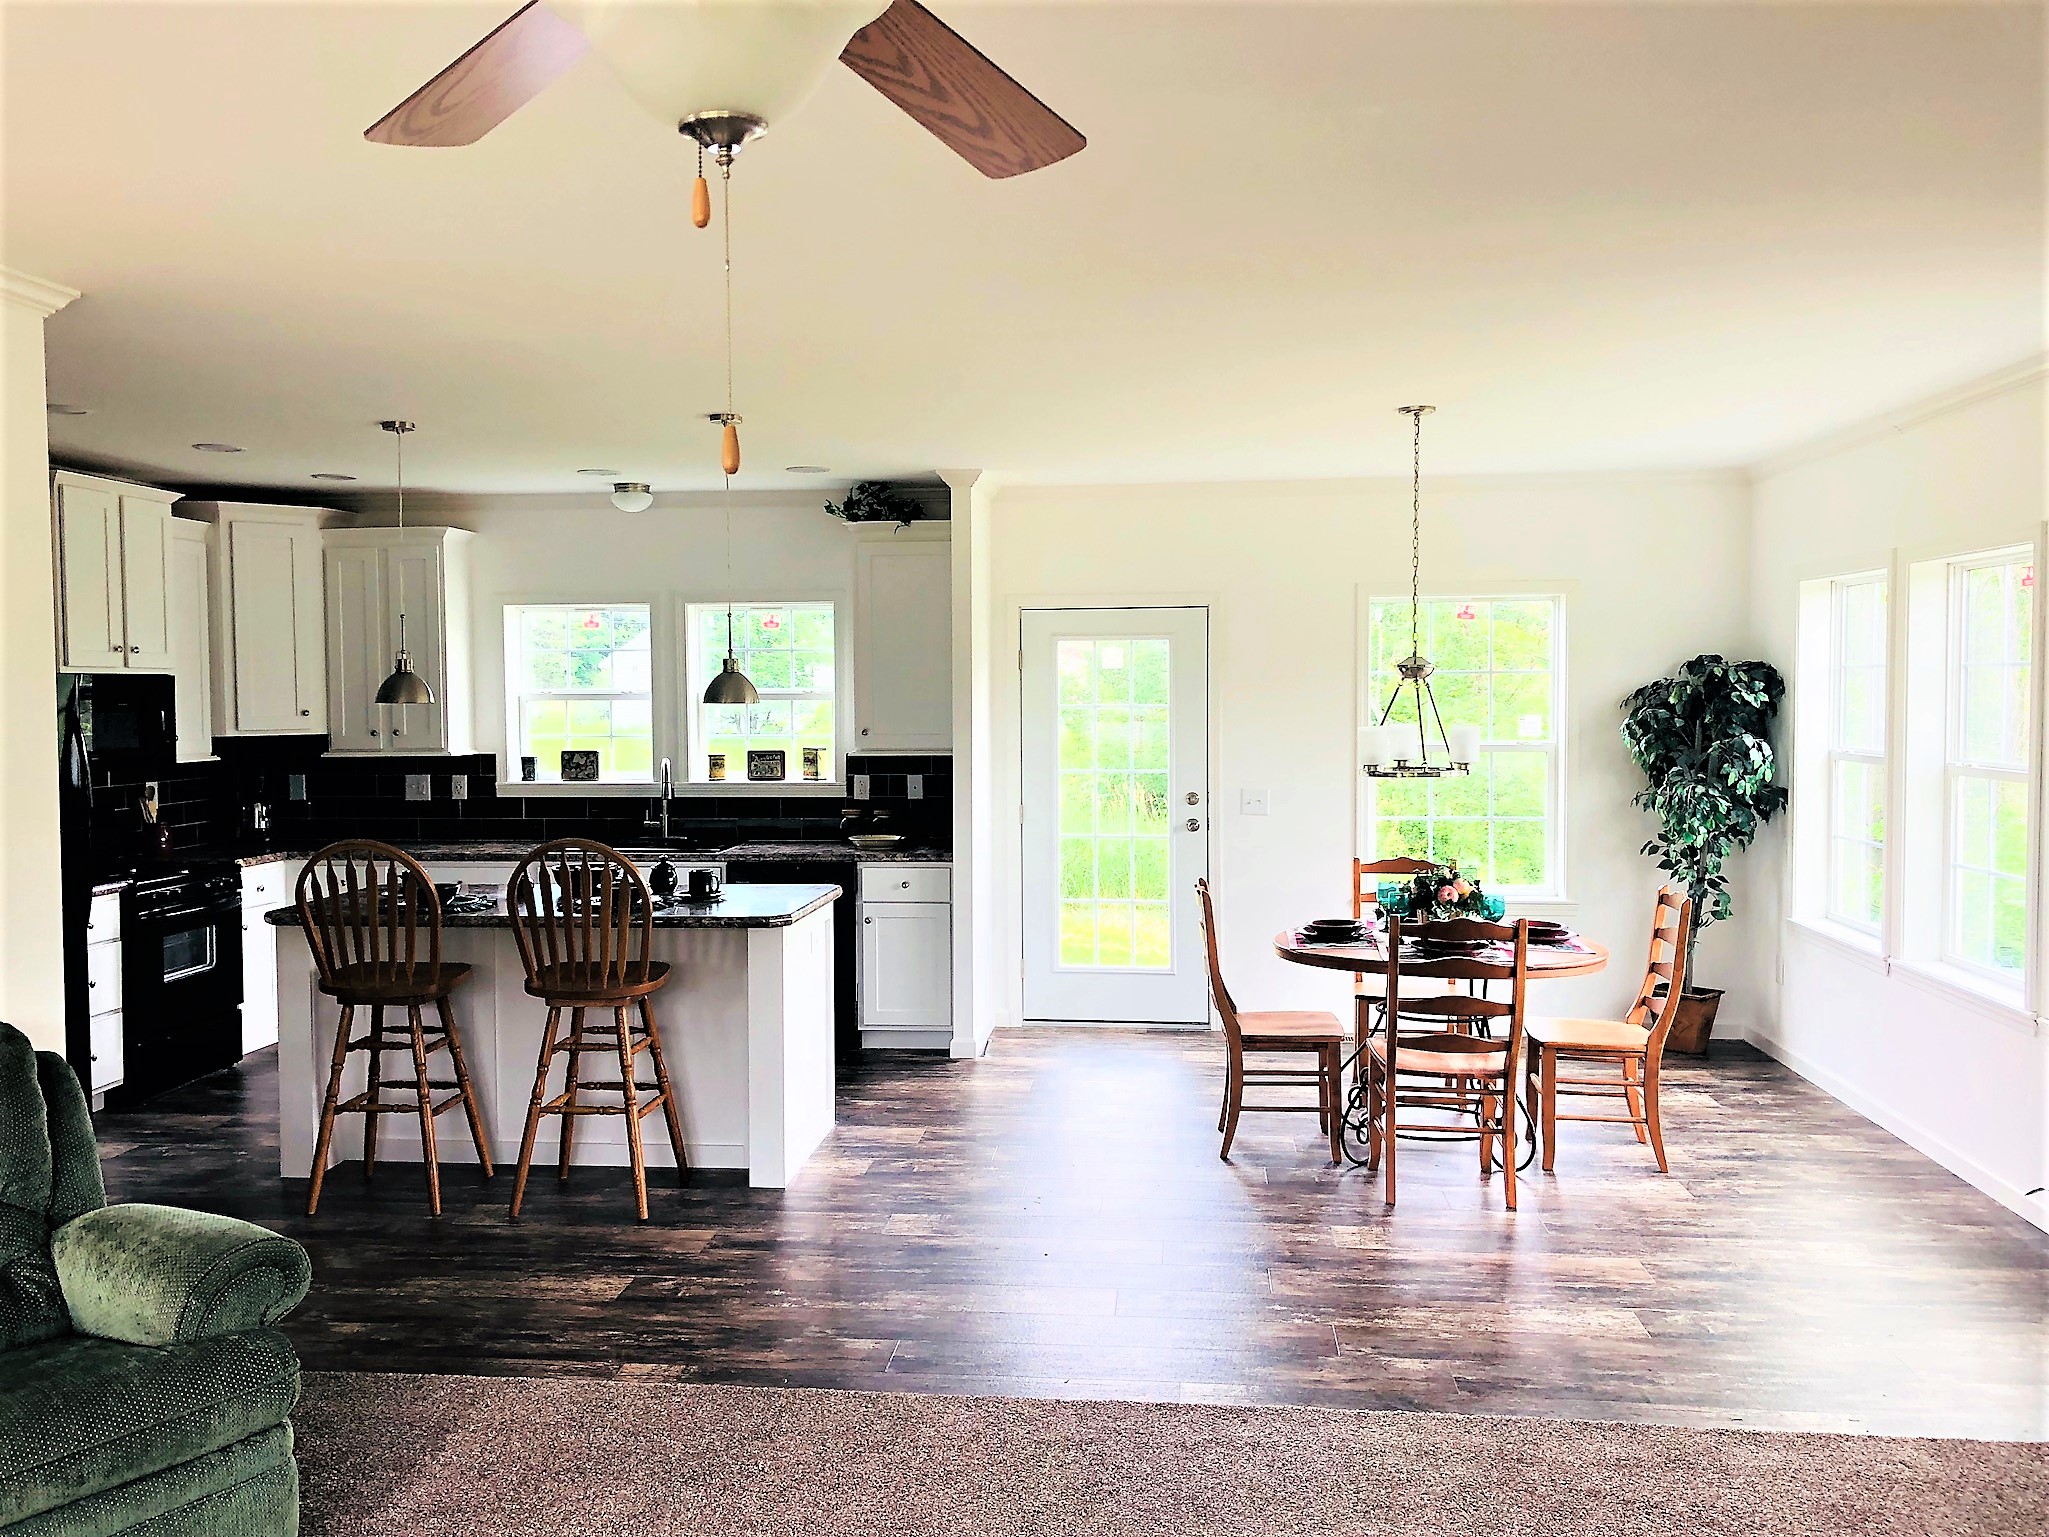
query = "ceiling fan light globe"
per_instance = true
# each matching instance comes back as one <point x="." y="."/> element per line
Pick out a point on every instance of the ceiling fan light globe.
<point x="629" y="496"/>
<point x="731" y="686"/>
<point x="679" y="58"/>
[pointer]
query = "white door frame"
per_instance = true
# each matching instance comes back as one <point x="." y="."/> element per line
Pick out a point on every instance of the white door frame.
<point x="1203" y="842"/>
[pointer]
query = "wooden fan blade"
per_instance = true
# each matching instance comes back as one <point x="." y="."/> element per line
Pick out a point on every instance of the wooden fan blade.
<point x="480" y="90"/>
<point x="967" y="103"/>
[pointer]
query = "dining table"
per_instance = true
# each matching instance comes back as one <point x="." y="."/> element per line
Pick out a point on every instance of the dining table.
<point x="1574" y="957"/>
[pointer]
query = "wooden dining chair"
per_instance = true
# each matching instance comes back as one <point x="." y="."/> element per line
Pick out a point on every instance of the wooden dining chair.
<point x="373" y="923"/>
<point x="1627" y="1052"/>
<point x="1455" y="1065"/>
<point x="1313" y="1032"/>
<point x="1368" y="991"/>
<point x="584" y="921"/>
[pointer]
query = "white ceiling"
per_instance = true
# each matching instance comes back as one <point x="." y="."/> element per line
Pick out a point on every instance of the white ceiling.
<point x="1598" y="237"/>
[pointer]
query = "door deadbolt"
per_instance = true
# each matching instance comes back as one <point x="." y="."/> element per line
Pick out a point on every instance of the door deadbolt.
<point x="1194" y="826"/>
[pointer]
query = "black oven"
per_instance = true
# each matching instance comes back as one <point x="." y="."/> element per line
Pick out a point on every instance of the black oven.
<point x="181" y="978"/>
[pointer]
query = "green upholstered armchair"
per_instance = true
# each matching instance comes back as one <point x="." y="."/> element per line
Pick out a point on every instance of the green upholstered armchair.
<point x="142" y="1387"/>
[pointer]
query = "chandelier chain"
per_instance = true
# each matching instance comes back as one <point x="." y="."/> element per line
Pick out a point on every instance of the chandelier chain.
<point x="1416" y="538"/>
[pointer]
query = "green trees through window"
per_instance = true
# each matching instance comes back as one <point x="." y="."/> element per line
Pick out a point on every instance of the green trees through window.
<point x="582" y="679"/>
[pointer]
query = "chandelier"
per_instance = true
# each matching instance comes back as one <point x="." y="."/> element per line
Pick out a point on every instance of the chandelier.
<point x="1393" y="751"/>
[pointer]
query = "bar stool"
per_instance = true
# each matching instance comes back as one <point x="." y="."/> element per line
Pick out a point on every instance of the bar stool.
<point x="366" y="908"/>
<point x="584" y="921"/>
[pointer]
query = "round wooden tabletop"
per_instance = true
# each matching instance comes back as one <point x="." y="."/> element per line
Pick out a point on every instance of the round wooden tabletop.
<point x="1544" y="962"/>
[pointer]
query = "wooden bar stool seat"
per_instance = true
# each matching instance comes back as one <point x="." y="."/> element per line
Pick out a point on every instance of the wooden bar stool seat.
<point x="373" y="923"/>
<point x="584" y="920"/>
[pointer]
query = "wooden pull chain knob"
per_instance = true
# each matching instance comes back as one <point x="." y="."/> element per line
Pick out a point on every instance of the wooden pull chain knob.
<point x="700" y="203"/>
<point x="729" y="452"/>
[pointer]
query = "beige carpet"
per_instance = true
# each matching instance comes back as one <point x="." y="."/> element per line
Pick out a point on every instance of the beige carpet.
<point x="508" y="1457"/>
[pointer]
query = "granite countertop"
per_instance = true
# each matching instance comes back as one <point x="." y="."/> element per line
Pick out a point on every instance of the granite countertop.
<point x="743" y="907"/>
<point x="733" y="853"/>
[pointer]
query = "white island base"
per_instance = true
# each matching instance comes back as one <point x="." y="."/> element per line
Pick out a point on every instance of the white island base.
<point x="746" y="1021"/>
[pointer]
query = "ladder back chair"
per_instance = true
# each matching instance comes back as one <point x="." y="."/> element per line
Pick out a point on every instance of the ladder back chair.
<point x="1368" y="992"/>
<point x="1291" y="1031"/>
<point x="373" y="922"/>
<point x="1631" y="1049"/>
<point x="1454" y="1065"/>
<point x="584" y="921"/>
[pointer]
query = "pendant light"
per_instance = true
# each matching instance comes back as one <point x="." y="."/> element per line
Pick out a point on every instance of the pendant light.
<point x="731" y="686"/>
<point x="404" y="686"/>
<point x="1387" y="749"/>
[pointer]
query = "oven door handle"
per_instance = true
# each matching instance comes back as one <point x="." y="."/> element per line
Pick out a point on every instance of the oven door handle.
<point x="181" y="917"/>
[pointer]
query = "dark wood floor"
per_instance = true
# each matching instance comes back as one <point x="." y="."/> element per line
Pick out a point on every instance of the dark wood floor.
<point x="1054" y="1221"/>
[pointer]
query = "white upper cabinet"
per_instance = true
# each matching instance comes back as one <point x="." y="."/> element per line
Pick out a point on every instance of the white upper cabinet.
<point x="113" y="557"/>
<point x="190" y="621"/>
<point x="903" y="644"/>
<point x="375" y="575"/>
<point x="270" y="652"/>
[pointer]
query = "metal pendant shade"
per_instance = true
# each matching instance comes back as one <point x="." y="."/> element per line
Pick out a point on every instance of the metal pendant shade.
<point x="731" y="686"/>
<point x="403" y="686"/>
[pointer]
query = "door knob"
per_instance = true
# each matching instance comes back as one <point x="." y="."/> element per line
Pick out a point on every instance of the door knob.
<point x="1194" y="826"/>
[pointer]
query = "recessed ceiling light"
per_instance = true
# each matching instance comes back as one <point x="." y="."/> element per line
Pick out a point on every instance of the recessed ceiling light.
<point x="330" y="475"/>
<point x="68" y="411"/>
<point x="805" y="469"/>
<point x="606" y="474"/>
<point x="217" y="448"/>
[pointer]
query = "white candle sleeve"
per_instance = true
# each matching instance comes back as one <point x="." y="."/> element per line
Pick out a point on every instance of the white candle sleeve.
<point x="1465" y="744"/>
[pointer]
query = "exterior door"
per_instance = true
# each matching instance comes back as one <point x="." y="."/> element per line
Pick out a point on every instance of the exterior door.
<point x="1116" y="814"/>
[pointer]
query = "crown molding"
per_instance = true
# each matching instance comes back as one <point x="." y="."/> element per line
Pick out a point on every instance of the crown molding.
<point x="2002" y="381"/>
<point x="31" y="292"/>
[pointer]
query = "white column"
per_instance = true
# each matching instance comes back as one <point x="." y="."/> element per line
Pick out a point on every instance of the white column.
<point x="31" y="923"/>
<point x="976" y="989"/>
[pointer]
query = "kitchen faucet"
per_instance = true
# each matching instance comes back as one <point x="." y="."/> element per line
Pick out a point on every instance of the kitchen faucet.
<point x="668" y="790"/>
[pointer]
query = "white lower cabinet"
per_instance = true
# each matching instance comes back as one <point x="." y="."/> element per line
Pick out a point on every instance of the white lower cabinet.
<point x="265" y="888"/>
<point x="103" y="991"/>
<point x="906" y="979"/>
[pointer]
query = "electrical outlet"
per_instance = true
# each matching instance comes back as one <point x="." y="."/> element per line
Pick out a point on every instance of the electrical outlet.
<point x="458" y="787"/>
<point x="1252" y="803"/>
<point x="915" y="786"/>
<point x="419" y="787"/>
<point x="860" y="787"/>
<point x="295" y="787"/>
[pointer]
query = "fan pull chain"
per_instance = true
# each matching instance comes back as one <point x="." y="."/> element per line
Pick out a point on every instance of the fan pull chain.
<point x="729" y="446"/>
<point x="700" y="195"/>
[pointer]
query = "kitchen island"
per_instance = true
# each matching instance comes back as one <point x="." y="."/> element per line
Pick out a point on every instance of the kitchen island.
<point x="747" y="1021"/>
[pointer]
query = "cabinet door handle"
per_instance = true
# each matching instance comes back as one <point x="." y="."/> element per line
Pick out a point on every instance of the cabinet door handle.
<point x="305" y="712"/>
<point x="867" y="920"/>
<point x="864" y="731"/>
<point x="89" y="982"/>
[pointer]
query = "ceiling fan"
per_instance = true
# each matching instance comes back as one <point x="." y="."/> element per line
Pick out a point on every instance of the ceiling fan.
<point x="723" y="70"/>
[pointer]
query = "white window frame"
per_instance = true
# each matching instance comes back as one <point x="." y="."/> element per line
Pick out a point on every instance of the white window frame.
<point x="516" y="696"/>
<point x="1839" y="754"/>
<point x="699" y="669"/>
<point x="1957" y="768"/>
<point x="1552" y="749"/>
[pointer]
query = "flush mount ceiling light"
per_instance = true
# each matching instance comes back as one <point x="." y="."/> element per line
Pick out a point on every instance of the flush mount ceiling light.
<point x="632" y="496"/>
<point x="330" y="475"/>
<point x="55" y="410"/>
<point x="1386" y="748"/>
<point x="404" y="686"/>
<point x="217" y="448"/>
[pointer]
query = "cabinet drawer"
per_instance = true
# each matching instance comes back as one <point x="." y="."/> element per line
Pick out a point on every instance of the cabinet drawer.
<point x="103" y="977"/>
<point x="906" y="883"/>
<point x="103" y="920"/>
<point x="108" y="1068"/>
<point x="267" y="886"/>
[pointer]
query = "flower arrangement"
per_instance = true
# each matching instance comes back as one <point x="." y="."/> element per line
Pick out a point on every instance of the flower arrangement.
<point x="1439" y="892"/>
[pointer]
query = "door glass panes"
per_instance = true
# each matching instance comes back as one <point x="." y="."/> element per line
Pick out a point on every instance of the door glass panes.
<point x="1496" y="664"/>
<point x="1114" y="811"/>
<point x="582" y="679"/>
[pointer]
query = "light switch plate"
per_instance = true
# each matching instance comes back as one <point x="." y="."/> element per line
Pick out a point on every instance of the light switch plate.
<point x="915" y="786"/>
<point x="419" y="787"/>
<point x="458" y="787"/>
<point x="860" y="787"/>
<point x="295" y="787"/>
<point x="1252" y="803"/>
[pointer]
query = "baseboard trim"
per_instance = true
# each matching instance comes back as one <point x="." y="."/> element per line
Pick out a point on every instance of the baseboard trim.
<point x="2031" y="1209"/>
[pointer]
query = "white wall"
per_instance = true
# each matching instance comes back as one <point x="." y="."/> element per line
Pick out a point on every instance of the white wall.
<point x="1965" y="1082"/>
<point x="31" y="926"/>
<point x="1654" y="569"/>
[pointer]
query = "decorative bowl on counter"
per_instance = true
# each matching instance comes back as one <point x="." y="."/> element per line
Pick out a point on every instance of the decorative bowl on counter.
<point x="875" y="843"/>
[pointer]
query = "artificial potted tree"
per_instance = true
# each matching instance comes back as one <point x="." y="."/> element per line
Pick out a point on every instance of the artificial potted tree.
<point x="1702" y="738"/>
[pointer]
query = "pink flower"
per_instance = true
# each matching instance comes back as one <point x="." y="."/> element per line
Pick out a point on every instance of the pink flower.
<point x="1446" y="894"/>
